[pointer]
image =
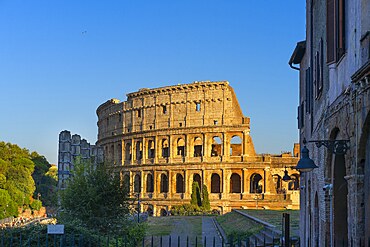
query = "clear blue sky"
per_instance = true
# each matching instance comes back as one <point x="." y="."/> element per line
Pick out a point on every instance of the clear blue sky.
<point x="59" y="60"/>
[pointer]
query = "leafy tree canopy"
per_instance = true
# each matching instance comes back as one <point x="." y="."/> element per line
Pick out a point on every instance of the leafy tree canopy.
<point x="96" y="199"/>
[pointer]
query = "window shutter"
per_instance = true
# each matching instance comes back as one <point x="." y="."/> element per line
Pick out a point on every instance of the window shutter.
<point x="330" y="31"/>
<point x="341" y="28"/>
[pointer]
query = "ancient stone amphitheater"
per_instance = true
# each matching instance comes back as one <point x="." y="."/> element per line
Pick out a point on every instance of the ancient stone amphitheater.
<point x="161" y="140"/>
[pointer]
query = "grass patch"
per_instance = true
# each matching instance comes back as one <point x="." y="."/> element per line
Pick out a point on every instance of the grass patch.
<point x="189" y="225"/>
<point x="274" y="217"/>
<point x="237" y="226"/>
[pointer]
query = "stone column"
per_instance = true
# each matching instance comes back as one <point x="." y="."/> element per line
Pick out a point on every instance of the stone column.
<point x="144" y="153"/>
<point x="143" y="183"/>
<point x="170" y="184"/>
<point x="245" y="143"/>
<point x="133" y="154"/>
<point x="187" y="147"/>
<point x="156" y="150"/>
<point x="206" y="150"/>
<point x="225" y="147"/>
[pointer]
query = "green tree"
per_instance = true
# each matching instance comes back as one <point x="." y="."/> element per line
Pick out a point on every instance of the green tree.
<point x="96" y="200"/>
<point x="195" y="195"/>
<point x="205" y="199"/>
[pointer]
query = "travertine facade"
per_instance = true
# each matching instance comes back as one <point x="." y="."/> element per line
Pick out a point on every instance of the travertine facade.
<point x="71" y="147"/>
<point x="161" y="140"/>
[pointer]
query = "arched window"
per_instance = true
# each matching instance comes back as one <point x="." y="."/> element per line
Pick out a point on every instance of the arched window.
<point x="216" y="146"/>
<point x="119" y="147"/>
<point x="235" y="183"/>
<point x="128" y="151"/>
<point x="215" y="183"/>
<point x="149" y="183"/>
<point x="235" y="146"/>
<point x="196" y="178"/>
<point x="198" y="147"/>
<point x="137" y="184"/>
<point x="179" y="183"/>
<point x="165" y="148"/>
<point x="181" y="147"/>
<point x="164" y="183"/>
<point x="256" y="183"/>
<point x="151" y="149"/>
<point x="112" y="153"/>
<point x="139" y="150"/>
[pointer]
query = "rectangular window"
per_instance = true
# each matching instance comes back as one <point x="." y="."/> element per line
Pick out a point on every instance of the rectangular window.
<point x="139" y="113"/>
<point x="335" y="30"/>
<point x="164" y="109"/>
<point x="197" y="107"/>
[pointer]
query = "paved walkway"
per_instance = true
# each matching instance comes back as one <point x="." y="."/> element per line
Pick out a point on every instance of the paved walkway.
<point x="210" y="233"/>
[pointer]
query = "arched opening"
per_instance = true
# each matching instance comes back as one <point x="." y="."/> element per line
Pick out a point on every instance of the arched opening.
<point x="165" y="148"/>
<point x="216" y="146"/>
<point x="235" y="183"/>
<point x="235" y="146"/>
<point x="215" y="183"/>
<point x="151" y="149"/>
<point x="181" y="147"/>
<point x="179" y="183"/>
<point x="163" y="212"/>
<point x="278" y="183"/>
<point x="137" y="184"/>
<point x="139" y="150"/>
<point x="119" y="147"/>
<point x="128" y="151"/>
<point x="164" y="184"/>
<point x="256" y="183"/>
<point x="126" y="183"/>
<point x="149" y="183"/>
<point x="294" y="183"/>
<point x="340" y="193"/>
<point x="112" y="153"/>
<point x="197" y="178"/>
<point x="316" y="219"/>
<point x="150" y="210"/>
<point x="198" y="147"/>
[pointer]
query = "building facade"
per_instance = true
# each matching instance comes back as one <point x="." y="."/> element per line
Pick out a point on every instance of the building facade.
<point x="71" y="147"/>
<point x="333" y="110"/>
<point x="162" y="140"/>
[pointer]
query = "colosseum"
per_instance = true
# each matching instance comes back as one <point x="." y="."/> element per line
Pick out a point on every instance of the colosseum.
<point x="161" y="140"/>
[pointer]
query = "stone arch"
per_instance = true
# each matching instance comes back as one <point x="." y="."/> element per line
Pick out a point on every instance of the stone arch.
<point x="163" y="212"/>
<point x="278" y="183"/>
<point x="119" y="151"/>
<point x="128" y="151"/>
<point x="165" y="148"/>
<point x="163" y="184"/>
<point x="151" y="149"/>
<point x="329" y="160"/>
<point x="364" y="169"/>
<point x="236" y="146"/>
<point x="198" y="147"/>
<point x="139" y="150"/>
<point x="137" y="183"/>
<point x="198" y="179"/>
<point x="112" y="153"/>
<point x="149" y="183"/>
<point x="235" y="183"/>
<point x="294" y="183"/>
<point x="216" y="146"/>
<point x="256" y="183"/>
<point x="150" y="209"/>
<point x="181" y="147"/>
<point x="215" y="183"/>
<point x="179" y="183"/>
<point x="340" y="194"/>
<point x="126" y="183"/>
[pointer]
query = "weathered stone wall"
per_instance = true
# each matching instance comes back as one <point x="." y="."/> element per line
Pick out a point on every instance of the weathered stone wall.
<point x="168" y="137"/>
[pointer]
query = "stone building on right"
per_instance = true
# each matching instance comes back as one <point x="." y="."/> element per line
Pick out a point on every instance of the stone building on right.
<point x="334" y="118"/>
